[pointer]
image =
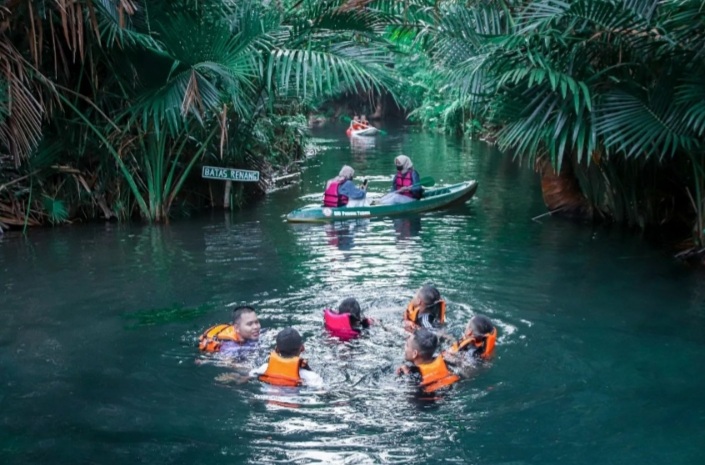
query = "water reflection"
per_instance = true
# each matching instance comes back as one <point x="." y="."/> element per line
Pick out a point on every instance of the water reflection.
<point x="407" y="228"/>
<point x="341" y="235"/>
<point x="360" y="146"/>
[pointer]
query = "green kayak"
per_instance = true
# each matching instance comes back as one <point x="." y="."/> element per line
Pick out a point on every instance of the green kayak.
<point x="433" y="199"/>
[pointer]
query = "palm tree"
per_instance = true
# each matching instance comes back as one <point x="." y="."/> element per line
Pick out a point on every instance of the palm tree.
<point x="160" y="85"/>
<point x="598" y="93"/>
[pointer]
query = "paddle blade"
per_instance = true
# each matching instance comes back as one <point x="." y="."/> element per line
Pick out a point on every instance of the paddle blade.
<point x="427" y="181"/>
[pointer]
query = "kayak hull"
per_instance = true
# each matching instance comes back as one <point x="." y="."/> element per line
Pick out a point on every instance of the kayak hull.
<point x="433" y="199"/>
<point x="371" y="131"/>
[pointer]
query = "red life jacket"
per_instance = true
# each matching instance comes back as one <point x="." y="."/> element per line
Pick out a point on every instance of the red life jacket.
<point x="213" y="337"/>
<point x="484" y="347"/>
<point x="404" y="180"/>
<point x="338" y="324"/>
<point x="331" y="198"/>
<point x="283" y="371"/>
<point x="436" y="375"/>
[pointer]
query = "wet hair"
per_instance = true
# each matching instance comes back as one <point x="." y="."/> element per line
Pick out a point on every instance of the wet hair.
<point x="239" y="311"/>
<point x="426" y="343"/>
<point x="351" y="306"/>
<point x="431" y="299"/>
<point x="481" y="325"/>
<point x="289" y="342"/>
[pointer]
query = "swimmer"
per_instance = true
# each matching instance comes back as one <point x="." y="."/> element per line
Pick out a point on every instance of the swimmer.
<point x="426" y="310"/>
<point x="285" y="366"/>
<point x="236" y="340"/>
<point x="431" y="373"/>
<point x="347" y="322"/>
<point x="477" y="342"/>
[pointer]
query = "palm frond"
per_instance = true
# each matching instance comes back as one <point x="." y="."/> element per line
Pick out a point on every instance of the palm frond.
<point x="317" y="72"/>
<point x="116" y="26"/>
<point x="21" y="127"/>
<point x="691" y="94"/>
<point x="638" y="126"/>
<point x="55" y="209"/>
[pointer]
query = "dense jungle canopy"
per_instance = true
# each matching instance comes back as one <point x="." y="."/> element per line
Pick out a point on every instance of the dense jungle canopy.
<point x="106" y="106"/>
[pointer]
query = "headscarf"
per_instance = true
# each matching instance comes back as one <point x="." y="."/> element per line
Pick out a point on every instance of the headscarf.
<point x="404" y="162"/>
<point x="346" y="172"/>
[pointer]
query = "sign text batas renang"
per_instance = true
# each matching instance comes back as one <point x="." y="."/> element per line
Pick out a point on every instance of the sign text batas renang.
<point x="229" y="174"/>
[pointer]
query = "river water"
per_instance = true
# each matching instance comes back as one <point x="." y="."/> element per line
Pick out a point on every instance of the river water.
<point x="599" y="359"/>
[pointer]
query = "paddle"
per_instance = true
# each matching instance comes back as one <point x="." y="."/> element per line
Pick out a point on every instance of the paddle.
<point x="347" y="119"/>
<point x="427" y="181"/>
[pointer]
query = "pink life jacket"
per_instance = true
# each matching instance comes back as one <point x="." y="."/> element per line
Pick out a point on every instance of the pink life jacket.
<point x="338" y="324"/>
<point x="331" y="198"/>
<point x="404" y="180"/>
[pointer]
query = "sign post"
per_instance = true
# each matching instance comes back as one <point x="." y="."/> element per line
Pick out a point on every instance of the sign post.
<point x="229" y="174"/>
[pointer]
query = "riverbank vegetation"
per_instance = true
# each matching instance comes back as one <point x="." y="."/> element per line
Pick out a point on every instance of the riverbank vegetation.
<point x="604" y="98"/>
<point x="107" y="106"/>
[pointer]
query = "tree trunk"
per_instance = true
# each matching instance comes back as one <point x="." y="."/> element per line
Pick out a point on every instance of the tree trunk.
<point x="561" y="191"/>
<point x="379" y="110"/>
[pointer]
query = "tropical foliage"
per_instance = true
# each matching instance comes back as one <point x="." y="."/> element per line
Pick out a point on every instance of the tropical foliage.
<point x="609" y="92"/>
<point x="117" y="100"/>
<point x="106" y="106"/>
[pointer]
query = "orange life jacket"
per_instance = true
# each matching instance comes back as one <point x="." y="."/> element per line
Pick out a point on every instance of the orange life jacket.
<point x="484" y="347"/>
<point x="436" y="375"/>
<point x="283" y="371"/>
<point x="412" y="312"/>
<point x="213" y="337"/>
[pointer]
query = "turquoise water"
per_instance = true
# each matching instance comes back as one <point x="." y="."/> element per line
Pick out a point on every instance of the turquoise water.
<point x="599" y="359"/>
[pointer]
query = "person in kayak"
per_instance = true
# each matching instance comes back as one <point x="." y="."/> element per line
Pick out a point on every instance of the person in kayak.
<point x="347" y="322"/>
<point x="426" y="310"/>
<point x="406" y="185"/>
<point x="341" y="191"/>
<point x="364" y="124"/>
<point x="355" y="123"/>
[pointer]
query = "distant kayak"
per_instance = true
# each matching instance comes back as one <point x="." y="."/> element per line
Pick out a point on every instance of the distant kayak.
<point x="433" y="199"/>
<point x="371" y="131"/>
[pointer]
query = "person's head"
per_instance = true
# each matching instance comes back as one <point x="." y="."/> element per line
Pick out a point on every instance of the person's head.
<point x="289" y="343"/>
<point x="428" y="299"/>
<point x="479" y="327"/>
<point x="363" y="118"/>
<point x="420" y="346"/>
<point x="346" y="172"/>
<point x="403" y="163"/>
<point x="352" y="307"/>
<point x="246" y="323"/>
<point x="356" y="118"/>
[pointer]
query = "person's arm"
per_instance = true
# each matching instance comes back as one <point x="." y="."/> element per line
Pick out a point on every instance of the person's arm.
<point x="410" y="370"/>
<point x="258" y="371"/>
<point x="311" y="379"/>
<point x="417" y="191"/>
<point x="350" y="190"/>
